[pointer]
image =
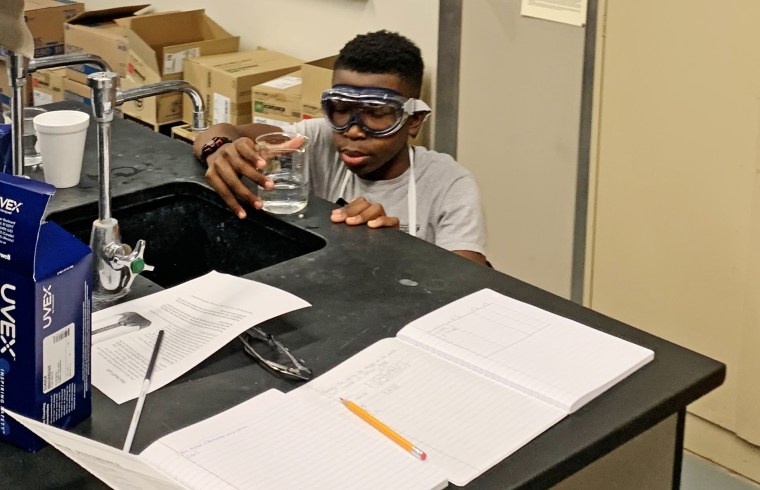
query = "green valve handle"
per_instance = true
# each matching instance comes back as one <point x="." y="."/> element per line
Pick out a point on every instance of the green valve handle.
<point x="137" y="266"/>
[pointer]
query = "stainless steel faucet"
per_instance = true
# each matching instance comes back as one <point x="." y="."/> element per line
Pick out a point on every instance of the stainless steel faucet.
<point x="19" y="67"/>
<point x="117" y="264"/>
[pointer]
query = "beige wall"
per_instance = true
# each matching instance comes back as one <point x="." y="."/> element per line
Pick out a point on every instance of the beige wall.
<point x="673" y="228"/>
<point x="519" y="120"/>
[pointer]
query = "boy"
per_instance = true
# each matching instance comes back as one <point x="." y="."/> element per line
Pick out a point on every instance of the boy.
<point x="359" y="154"/>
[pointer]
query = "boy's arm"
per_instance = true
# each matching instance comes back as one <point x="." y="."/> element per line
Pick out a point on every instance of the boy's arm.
<point x="476" y="257"/>
<point x="231" y="161"/>
<point x="360" y="211"/>
<point x="461" y="227"/>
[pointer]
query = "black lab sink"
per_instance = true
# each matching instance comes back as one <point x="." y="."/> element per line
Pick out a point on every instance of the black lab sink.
<point x="189" y="231"/>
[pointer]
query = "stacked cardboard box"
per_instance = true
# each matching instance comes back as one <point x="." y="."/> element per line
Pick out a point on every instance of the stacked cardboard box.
<point x="184" y="132"/>
<point x="5" y="86"/>
<point x="47" y="86"/>
<point x="226" y="81"/>
<point x="6" y="92"/>
<point x="77" y="92"/>
<point x="317" y="77"/>
<point x="278" y="102"/>
<point x="45" y="19"/>
<point x="147" y="49"/>
<point x="96" y="32"/>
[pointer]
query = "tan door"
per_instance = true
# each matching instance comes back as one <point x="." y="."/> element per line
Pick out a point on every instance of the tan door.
<point x="674" y="223"/>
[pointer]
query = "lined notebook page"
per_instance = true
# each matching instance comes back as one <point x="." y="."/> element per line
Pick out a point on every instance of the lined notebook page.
<point x="465" y="422"/>
<point x="548" y="356"/>
<point x="273" y="441"/>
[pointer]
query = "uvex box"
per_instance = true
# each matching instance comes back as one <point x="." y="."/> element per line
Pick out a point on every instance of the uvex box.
<point x="45" y="312"/>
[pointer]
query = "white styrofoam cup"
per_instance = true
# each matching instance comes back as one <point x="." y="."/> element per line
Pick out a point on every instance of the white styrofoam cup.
<point x="61" y="136"/>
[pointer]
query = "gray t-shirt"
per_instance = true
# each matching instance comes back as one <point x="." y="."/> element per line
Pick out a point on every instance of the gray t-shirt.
<point x="449" y="213"/>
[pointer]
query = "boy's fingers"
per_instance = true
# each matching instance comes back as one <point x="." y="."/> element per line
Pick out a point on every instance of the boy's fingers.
<point x="246" y="149"/>
<point x="369" y="213"/>
<point x="384" y="222"/>
<point x="225" y="193"/>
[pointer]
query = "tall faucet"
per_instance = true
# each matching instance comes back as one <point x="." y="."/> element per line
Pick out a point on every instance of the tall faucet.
<point x="117" y="264"/>
<point x="19" y="67"/>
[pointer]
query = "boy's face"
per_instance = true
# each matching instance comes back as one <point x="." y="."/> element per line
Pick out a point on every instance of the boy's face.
<point x="375" y="158"/>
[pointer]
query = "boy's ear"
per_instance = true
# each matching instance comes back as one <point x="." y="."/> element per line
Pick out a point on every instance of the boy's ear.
<point x="415" y="122"/>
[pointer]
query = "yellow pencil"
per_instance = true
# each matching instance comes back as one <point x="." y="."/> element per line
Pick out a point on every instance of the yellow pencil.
<point x="387" y="431"/>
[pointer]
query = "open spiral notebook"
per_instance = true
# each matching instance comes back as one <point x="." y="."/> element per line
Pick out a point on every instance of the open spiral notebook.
<point x="469" y="384"/>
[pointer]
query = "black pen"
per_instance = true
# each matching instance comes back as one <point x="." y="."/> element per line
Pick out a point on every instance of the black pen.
<point x="143" y="393"/>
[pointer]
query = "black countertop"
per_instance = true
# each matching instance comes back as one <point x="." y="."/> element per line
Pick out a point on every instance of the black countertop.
<point x="364" y="285"/>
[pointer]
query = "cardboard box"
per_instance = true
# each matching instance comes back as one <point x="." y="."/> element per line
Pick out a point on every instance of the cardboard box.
<point x="77" y="92"/>
<point x="47" y="86"/>
<point x="160" y="43"/>
<point x="146" y="49"/>
<point x="317" y="77"/>
<point x="156" y="110"/>
<point x="45" y="19"/>
<point x="96" y="32"/>
<point x="5" y="87"/>
<point x="225" y="81"/>
<point x="45" y="315"/>
<point x="278" y="101"/>
<point x="184" y="133"/>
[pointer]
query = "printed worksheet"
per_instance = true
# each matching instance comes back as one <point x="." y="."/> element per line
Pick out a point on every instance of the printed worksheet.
<point x="198" y="318"/>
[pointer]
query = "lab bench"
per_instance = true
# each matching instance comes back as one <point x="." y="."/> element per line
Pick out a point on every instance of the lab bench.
<point x="365" y="285"/>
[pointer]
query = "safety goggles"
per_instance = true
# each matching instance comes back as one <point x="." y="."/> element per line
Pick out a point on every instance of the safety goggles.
<point x="377" y="111"/>
<point x="273" y="355"/>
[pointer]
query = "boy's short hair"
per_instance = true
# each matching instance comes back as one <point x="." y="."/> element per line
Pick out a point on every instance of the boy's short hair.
<point x="384" y="52"/>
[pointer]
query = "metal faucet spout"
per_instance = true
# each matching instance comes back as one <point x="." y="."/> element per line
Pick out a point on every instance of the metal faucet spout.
<point x="117" y="264"/>
<point x="19" y="67"/>
<point x="59" y="60"/>
<point x="165" y="87"/>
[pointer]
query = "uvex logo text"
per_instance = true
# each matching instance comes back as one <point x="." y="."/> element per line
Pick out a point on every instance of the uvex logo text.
<point x="7" y="321"/>
<point x="48" y="304"/>
<point x="9" y="205"/>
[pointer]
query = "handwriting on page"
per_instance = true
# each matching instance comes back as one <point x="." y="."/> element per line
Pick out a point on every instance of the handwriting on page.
<point x="465" y="423"/>
<point x="275" y="441"/>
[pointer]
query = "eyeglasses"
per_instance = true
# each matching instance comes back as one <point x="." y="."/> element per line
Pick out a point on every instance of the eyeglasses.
<point x="379" y="112"/>
<point x="273" y="355"/>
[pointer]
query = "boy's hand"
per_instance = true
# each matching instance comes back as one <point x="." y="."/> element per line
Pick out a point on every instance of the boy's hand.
<point x="225" y="168"/>
<point x="360" y="211"/>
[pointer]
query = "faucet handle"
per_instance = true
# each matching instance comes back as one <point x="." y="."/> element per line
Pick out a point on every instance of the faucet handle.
<point x="137" y="263"/>
<point x="130" y="262"/>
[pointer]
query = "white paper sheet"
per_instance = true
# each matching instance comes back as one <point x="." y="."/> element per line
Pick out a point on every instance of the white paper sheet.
<point x="571" y="12"/>
<point x="545" y="355"/>
<point x="116" y="468"/>
<point x="198" y="318"/>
